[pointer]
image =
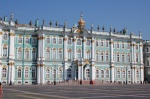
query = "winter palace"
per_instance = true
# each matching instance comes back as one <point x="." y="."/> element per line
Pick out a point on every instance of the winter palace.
<point x="38" y="54"/>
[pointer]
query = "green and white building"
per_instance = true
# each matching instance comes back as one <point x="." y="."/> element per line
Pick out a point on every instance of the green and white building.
<point x="34" y="54"/>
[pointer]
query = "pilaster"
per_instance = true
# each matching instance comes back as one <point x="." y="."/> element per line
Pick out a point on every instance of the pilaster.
<point x="65" y="70"/>
<point x="92" y="71"/>
<point x="11" y="45"/>
<point x="74" y="48"/>
<point x="65" y="48"/>
<point x="42" y="72"/>
<point x="93" y="48"/>
<point x="84" y="48"/>
<point x="112" y="76"/>
<point x="38" y="73"/>
<point x="0" y="71"/>
<point x="1" y="42"/>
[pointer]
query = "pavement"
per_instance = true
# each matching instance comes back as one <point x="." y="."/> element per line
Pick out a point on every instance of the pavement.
<point x="110" y="91"/>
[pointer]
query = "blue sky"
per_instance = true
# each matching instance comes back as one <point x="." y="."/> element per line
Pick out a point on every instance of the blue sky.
<point x="132" y="14"/>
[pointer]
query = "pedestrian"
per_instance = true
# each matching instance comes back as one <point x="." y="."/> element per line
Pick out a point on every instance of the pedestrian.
<point x="1" y="90"/>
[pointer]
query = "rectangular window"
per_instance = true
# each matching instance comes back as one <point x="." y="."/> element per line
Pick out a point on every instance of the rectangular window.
<point x="5" y="36"/>
<point x="27" y="40"/>
<point x="123" y="45"/>
<point x="5" y="51"/>
<point x="33" y="41"/>
<point x="33" y="55"/>
<point x="107" y="44"/>
<point x="48" y="40"/>
<point x="26" y="54"/>
<point x="60" y="41"/>
<point x="102" y="44"/>
<point x="88" y="42"/>
<point x="117" y="45"/>
<point x="128" y="46"/>
<point x="20" y="40"/>
<point x="19" y="54"/>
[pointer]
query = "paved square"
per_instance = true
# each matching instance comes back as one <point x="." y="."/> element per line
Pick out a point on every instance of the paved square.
<point x="76" y="92"/>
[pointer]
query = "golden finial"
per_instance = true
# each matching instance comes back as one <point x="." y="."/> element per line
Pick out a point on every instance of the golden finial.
<point x="81" y="21"/>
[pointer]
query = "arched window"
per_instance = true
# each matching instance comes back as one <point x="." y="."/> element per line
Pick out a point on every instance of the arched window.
<point x="19" y="73"/>
<point x="97" y="74"/>
<point x="33" y="73"/>
<point x="33" y="54"/>
<point x="123" y="59"/>
<point x="79" y="54"/>
<point x="123" y="74"/>
<point x="60" y="73"/>
<point x="27" y="40"/>
<point x="96" y="43"/>
<point x="4" y="72"/>
<point x="26" y="54"/>
<point x="20" y="53"/>
<point x="48" y="40"/>
<point x="47" y="53"/>
<point x="20" y="40"/>
<point x="88" y="42"/>
<point x="102" y="56"/>
<point x="5" y="36"/>
<point x="117" y="44"/>
<point x="107" y="73"/>
<point x="137" y="74"/>
<point x="5" y="51"/>
<point x="137" y="57"/>
<point x="129" y="74"/>
<point x="96" y="56"/>
<point x="54" y="54"/>
<point x="59" y="54"/>
<point x="88" y="54"/>
<point x="128" y="57"/>
<point x="47" y="73"/>
<point x="122" y="45"/>
<point x="69" y="73"/>
<point x="60" y="41"/>
<point x="54" y="40"/>
<point x="54" y="74"/>
<point x="118" y="59"/>
<point x="102" y="73"/>
<point x="107" y="44"/>
<point x="78" y="42"/>
<point x="87" y="74"/>
<point x="69" y="41"/>
<point x="107" y="56"/>
<point x="118" y="74"/>
<point x="26" y="73"/>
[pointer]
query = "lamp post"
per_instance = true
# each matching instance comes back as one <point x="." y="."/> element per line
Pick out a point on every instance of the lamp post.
<point x="55" y="76"/>
<point x="126" y="66"/>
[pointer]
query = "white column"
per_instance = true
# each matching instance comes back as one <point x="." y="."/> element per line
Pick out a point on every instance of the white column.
<point x="11" y="45"/>
<point x="92" y="73"/>
<point x="93" y="48"/>
<point x="84" y="48"/>
<point x="65" y="48"/>
<point x="39" y="49"/>
<point x="74" y="48"/>
<point x="42" y="74"/>
<point x="9" y="69"/>
<point x="65" y="71"/>
<point x="79" y="73"/>
<point x="112" y="76"/>
<point x="12" y="72"/>
<point x="132" y="62"/>
<point x="135" y="78"/>
<point x="0" y="71"/>
<point x="43" y="47"/>
<point x="141" y="61"/>
<point x="38" y="73"/>
<point x="0" y="43"/>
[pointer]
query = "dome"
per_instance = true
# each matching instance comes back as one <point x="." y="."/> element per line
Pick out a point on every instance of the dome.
<point x="81" y="22"/>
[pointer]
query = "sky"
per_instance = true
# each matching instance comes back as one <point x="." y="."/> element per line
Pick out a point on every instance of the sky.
<point x="131" y="14"/>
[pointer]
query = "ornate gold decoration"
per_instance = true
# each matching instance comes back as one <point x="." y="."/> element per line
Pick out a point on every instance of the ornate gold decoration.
<point x="74" y="40"/>
<point x="112" y="66"/>
<point x="0" y="63"/>
<point x="5" y="45"/>
<point x="38" y="65"/>
<point x="65" y="39"/>
<point x="84" y="40"/>
<point x="93" y="65"/>
<point x="76" y="62"/>
<point x="69" y="50"/>
<point x="141" y="45"/>
<point x="111" y="42"/>
<point x="81" y="22"/>
<point x="12" y="34"/>
<point x="93" y="41"/>
<point x="79" y="64"/>
<point x="87" y="61"/>
<point x="42" y="65"/>
<point x="42" y="37"/>
<point x="34" y="49"/>
<point x="1" y="33"/>
<point x="20" y="35"/>
<point x="141" y="67"/>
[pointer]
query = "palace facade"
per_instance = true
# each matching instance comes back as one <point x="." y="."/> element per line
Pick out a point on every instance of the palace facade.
<point x="34" y="54"/>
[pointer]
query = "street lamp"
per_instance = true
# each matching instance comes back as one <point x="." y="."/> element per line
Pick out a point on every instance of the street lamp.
<point x="126" y="66"/>
<point x="55" y="76"/>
